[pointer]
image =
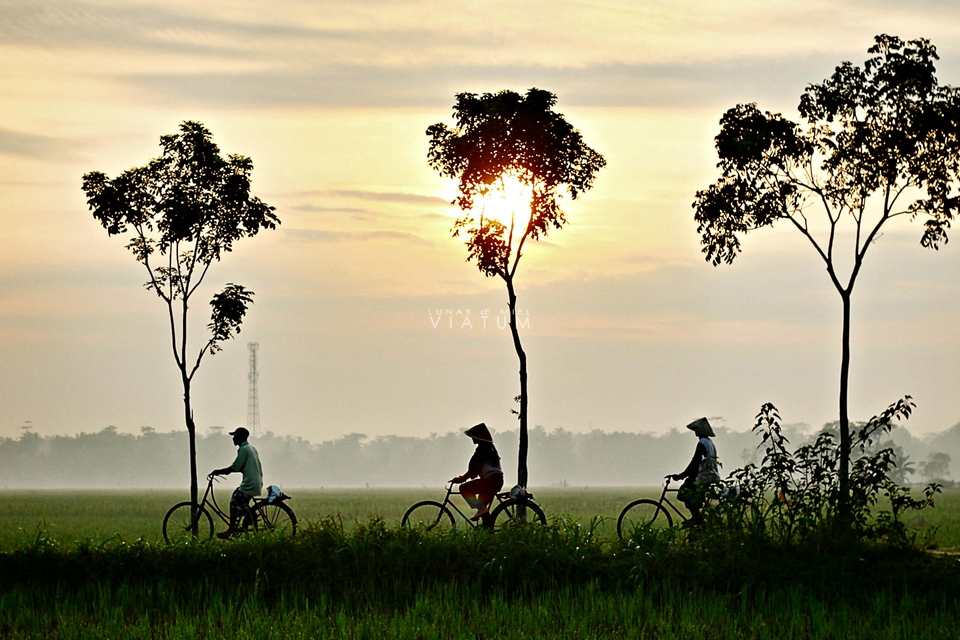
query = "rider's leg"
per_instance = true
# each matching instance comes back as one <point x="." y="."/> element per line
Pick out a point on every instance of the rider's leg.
<point x="471" y="493"/>
<point x="691" y="495"/>
<point x="483" y="492"/>
<point x="239" y="505"/>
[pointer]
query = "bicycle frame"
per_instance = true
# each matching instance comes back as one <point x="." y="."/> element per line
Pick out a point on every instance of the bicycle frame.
<point x="212" y="503"/>
<point x="220" y="513"/>
<point x="448" y="503"/>
<point x="665" y="499"/>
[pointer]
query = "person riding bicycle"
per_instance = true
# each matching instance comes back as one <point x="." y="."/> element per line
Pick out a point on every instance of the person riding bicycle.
<point x="485" y="467"/>
<point x="701" y="472"/>
<point x="247" y="463"/>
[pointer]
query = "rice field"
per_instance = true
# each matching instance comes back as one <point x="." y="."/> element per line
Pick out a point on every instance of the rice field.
<point x="72" y="516"/>
<point x="83" y="564"/>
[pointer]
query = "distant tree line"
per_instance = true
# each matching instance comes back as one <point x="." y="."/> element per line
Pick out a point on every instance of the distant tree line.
<point x="110" y="459"/>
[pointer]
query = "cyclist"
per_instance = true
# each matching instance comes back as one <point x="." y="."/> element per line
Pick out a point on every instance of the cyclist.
<point x="247" y="463"/>
<point x="485" y="467"/>
<point x="702" y="470"/>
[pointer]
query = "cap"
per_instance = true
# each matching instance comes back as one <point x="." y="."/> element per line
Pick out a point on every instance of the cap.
<point x="240" y="431"/>
<point x="701" y="427"/>
<point x="479" y="432"/>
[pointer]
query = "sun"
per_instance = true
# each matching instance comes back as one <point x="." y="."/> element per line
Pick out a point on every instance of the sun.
<point x="508" y="199"/>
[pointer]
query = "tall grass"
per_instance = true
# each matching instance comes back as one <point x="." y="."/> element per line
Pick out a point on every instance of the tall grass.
<point x="470" y="613"/>
<point x="565" y="581"/>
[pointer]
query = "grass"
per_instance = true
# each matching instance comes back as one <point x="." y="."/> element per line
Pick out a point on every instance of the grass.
<point x="72" y="516"/>
<point x="468" y="614"/>
<point x="378" y="581"/>
<point x="98" y="570"/>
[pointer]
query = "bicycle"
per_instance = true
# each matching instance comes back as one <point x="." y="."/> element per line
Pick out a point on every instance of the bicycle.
<point x="191" y="521"/>
<point x="430" y="514"/>
<point x="648" y="513"/>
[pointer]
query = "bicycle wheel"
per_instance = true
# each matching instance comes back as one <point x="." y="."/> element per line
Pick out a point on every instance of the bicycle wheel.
<point x="646" y="514"/>
<point x="506" y="514"/>
<point x="179" y="523"/>
<point x="428" y="515"/>
<point x="275" y="517"/>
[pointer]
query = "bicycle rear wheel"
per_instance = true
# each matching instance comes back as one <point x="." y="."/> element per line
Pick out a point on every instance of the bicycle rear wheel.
<point x="507" y="514"/>
<point x="428" y="515"/>
<point x="642" y="514"/>
<point x="181" y="525"/>
<point x="275" y="517"/>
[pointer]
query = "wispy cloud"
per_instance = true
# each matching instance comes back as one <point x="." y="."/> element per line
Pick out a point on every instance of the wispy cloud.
<point x="223" y="32"/>
<point x="378" y="196"/>
<point x="324" y="236"/>
<point x="648" y="85"/>
<point x="27" y="145"/>
<point x="312" y="208"/>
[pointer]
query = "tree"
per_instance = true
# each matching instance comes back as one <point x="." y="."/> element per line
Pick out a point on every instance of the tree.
<point x="871" y="139"/>
<point x="505" y="136"/>
<point x="936" y="467"/>
<point x="182" y="212"/>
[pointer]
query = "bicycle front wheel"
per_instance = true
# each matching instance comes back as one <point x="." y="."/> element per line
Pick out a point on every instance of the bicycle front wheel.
<point x="511" y="513"/>
<point x="185" y="522"/>
<point x="275" y="517"/>
<point x="642" y="514"/>
<point x="428" y="515"/>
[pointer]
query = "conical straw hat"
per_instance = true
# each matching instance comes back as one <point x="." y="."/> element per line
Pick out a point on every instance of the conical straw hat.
<point x="479" y="432"/>
<point x="701" y="427"/>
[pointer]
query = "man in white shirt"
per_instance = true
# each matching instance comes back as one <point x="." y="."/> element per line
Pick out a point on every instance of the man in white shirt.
<point x="247" y="463"/>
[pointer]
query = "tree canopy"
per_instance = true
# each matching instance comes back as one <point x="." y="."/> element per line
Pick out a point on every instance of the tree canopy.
<point x="506" y="134"/>
<point x="881" y="130"/>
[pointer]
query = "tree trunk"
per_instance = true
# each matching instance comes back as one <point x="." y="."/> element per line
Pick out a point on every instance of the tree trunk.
<point x="843" y="506"/>
<point x="192" y="437"/>
<point x="522" y="452"/>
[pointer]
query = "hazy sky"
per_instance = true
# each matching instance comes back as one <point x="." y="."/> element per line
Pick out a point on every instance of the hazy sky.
<point x="629" y="329"/>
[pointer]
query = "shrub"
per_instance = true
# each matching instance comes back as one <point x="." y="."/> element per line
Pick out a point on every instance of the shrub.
<point x="793" y="497"/>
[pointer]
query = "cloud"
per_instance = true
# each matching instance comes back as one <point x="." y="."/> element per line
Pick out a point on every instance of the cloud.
<point x="376" y="196"/>
<point x="375" y="55"/>
<point x="405" y="198"/>
<point x="142" y="27"/>
<point x="26" y="145"/>
<point x="324" y="236"/>
<point x="312" y="208"/>
<point x="636" y="85"/>
<point x="205" y="30"/>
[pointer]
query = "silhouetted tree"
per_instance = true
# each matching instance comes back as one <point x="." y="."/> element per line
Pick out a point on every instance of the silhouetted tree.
<point x="936" y="467"/>
<point x="182" y="211"/>
<point x="872" y="137"/>
<point x="506" y="135"/>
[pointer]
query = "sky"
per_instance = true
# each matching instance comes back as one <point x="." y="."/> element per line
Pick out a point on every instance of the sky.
<point x="361" y="293"/>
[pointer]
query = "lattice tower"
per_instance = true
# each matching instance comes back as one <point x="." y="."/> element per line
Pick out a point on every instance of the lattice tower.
<point x="253" y="399"/>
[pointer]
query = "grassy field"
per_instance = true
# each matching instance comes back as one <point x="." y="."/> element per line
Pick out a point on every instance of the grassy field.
<point x="81" y="564"/>
<point x="97" y="516"/>
<point x="454" y="614"/>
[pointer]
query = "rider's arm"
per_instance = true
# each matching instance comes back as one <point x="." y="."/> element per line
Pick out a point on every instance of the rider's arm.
<point x="236" y="467"/>
<point x="463" y="478"/>
<point x="473" y="470"/>
<point x="694" y="466"/>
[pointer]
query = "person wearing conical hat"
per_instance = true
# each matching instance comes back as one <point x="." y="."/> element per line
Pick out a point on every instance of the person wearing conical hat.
<point x="702" y="470"/>
<point x="484" y="466"/>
